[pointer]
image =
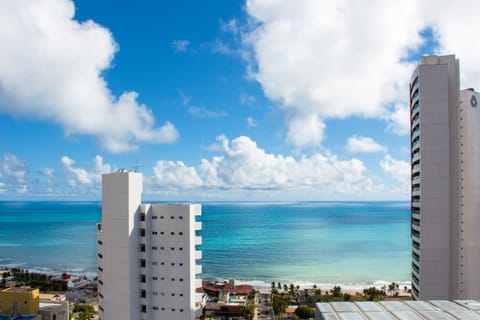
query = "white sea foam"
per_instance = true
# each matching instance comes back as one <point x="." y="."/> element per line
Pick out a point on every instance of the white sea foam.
<point x="345" y="286"/>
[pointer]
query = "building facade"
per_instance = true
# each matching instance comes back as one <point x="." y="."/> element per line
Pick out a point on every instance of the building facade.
<point x="22" y="301"/>
<point x="444" y="129"/>
<point x="147" y="254"/>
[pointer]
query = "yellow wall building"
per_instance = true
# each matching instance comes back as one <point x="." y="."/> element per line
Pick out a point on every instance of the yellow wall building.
<point x="27" y="300"/>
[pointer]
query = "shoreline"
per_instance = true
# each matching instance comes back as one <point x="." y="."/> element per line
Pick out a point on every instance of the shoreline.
<point x="258" y="284"/>
<point x="352" y="288"/>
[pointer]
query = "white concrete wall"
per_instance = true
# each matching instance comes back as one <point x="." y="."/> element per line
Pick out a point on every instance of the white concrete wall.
<point x="469" y="208"/>
<point x="121" y="196"/>
<point x="438" y="100"/>
<point x="172" y="260"/>
<point x="164" y="256"/>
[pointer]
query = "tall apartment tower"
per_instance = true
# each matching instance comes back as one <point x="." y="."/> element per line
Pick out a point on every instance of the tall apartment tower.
<point x="146" y="254"/>
<point x="445" y="159"/>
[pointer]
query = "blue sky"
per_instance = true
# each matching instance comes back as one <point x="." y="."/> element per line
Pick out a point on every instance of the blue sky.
<point x="219" y="100"/>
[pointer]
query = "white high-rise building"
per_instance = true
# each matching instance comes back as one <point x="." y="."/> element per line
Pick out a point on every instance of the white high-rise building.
<point x="146" y="254"/>
<point x="445" y="158"/>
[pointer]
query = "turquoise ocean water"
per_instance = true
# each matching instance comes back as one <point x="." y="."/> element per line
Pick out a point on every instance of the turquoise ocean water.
<point x="320" y="242"/>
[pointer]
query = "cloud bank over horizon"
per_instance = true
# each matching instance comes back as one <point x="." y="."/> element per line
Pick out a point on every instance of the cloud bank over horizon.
<point x="52" y="69"/>
<point x="241" y="168"/>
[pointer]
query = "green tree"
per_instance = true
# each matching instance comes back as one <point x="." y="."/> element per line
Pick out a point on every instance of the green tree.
<point x="280" y="303"/>
<point x="373" y="294"/>
<point x="336" y="292"/>
<point x="249" y="310"/>
<point x="305" y="312"/>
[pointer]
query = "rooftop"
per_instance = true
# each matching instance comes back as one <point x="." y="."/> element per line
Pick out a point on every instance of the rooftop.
<point x="405" y="310"/>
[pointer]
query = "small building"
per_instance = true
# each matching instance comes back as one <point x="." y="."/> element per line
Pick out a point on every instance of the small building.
<point x="26" y="300"/>
<point x="54" y="310"/>
<point x="19" y="304"/>
<point x="290" y="310"/>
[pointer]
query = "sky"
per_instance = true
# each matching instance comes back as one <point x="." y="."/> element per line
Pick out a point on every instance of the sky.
<point x="258" y="100"/>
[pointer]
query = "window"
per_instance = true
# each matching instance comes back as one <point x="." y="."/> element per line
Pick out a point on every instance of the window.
<point x="181" y="249"/>
<point x="161" y="217"/>
<point x="144" y="308"/>
<point x="142" y="216"/>
<point x="181" y="218"/>
<point x="142" y="263"/>
<point x="143" y="293"/>
<point x="154" y="217"/>
<point x="142" y="247"/>
<point x="154" y="232"/>
<point x="154" y="248"/>
<point x="172" y="217"/>
<point x="172" y="233"/>
<point x="180" y="233"/>
<point x="100" y="242"/>
<point x="154" y="278"/>
<point x="100" y="269"/>
<point x="181" y="294"/>
<point x="142" y="232"/>
<point x="142" y="278"/>
<point x="155" y="308"/>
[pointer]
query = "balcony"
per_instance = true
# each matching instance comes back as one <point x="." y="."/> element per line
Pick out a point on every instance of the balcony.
<point x="415" y="131"/>
<point x="416" y="108"/>
<point x="416" y="180"/>
<point x="415" y="122"/>
<point x="198" y="240"/>
<point x="416" y="143"/>
<point x="416" y="227"/>
<point x="198" y="225"/>
<point x="416" y="247"/>
<point x="416" y="236"/>
<point x="198" y="254"/>
<point x="198" y="269"/>
<point x="416" y="157"/>
<point x="198" y="283"/>
<point x="415" y="94"/>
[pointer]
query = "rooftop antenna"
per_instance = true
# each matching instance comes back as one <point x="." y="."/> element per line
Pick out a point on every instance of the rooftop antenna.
<point x="136" y="167"/>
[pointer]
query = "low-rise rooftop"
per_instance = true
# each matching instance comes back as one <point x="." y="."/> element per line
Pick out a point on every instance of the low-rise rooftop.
<point x="403" y="310"/>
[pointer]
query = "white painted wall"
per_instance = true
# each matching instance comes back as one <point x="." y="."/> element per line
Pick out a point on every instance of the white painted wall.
<point x="165" y="256"/>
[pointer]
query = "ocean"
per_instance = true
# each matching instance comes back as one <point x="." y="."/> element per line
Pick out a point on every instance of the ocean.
<point x="294" y="242"/>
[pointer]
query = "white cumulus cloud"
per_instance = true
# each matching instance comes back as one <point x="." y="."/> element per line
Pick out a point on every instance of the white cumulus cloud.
<point x="243" y="166"/>
<point x="13" y="174"/>
<point x="51" y="68"/>
<point x="398" y="169"/>
<point x="81" y="176"/>
<point x="357" y="144"/>
<point x="337" y="59"/>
